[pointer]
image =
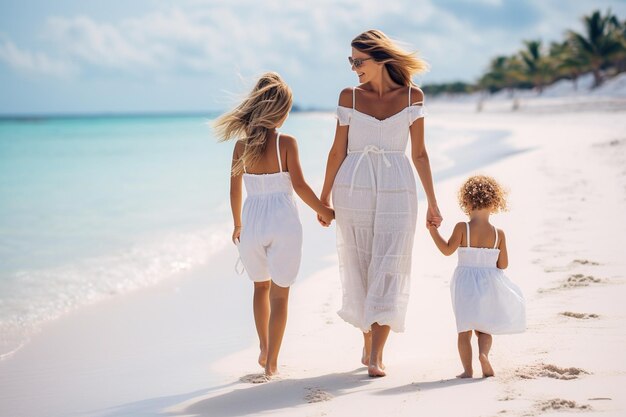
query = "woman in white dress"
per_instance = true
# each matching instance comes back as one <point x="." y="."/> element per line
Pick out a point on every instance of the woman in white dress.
<point x="373" y="189"/>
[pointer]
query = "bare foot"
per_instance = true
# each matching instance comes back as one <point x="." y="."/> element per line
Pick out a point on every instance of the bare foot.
<point x="263" y="358"/>
<point x="465" y="375"/>
<point x="375" y="371"/>
<point x="484" y="363"/>
<point x="365" y="360"/>
<point x="271" y="371"/>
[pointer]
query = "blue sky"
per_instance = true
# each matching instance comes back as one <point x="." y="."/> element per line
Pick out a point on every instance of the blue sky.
<point x="69" y="56"/>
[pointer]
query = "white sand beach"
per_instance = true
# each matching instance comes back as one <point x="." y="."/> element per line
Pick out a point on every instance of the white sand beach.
<point x="144" y="354"/>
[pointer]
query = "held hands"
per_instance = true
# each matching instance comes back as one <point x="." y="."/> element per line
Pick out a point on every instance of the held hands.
<point x="326" y="217"/>
<point x="433" y="217"/>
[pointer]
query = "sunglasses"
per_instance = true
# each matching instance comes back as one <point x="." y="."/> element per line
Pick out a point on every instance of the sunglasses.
<point x="357" y="62"/>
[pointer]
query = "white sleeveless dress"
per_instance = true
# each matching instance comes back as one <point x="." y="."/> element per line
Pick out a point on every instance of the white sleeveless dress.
<point x="270" y="245"/>
<point x="483" y="298"/>
<point x="375" y="202"/>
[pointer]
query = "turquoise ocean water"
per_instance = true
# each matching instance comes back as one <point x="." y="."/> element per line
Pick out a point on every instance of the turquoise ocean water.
<point x="94" y="207"/>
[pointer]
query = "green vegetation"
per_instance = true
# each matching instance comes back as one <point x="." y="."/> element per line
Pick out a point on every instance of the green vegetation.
<point x="600" y="49"/>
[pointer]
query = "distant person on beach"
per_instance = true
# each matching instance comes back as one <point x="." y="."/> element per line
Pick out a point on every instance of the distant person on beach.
<point x="373" y="189"/>
<point x="268" y="234"/>
<point x="483" y="298"/>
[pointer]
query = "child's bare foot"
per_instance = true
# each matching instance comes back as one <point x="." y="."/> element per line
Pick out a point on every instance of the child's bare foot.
<point x="374" y="370"/>
<point x="465" y="375"/>
<point x="484" y="363"/>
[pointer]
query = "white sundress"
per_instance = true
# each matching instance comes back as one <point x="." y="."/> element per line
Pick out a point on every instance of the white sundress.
<point x="375" y="202"/>
<point x="483" y="298"/>
<point x="270" y="245"/>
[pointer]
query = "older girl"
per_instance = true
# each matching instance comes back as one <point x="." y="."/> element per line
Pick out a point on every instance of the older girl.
<point x="269" y="233"/>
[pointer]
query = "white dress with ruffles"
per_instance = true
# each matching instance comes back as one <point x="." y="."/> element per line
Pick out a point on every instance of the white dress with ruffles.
<point x="375" y="202"/>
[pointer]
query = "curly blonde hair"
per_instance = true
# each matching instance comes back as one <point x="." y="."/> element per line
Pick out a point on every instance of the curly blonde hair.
<point x="482" y="192"/>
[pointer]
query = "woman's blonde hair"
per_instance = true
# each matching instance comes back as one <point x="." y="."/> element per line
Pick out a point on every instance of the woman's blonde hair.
<point x="482" y="192"/>
<point x="263" y="109"/>
<point x="400" y="64"/>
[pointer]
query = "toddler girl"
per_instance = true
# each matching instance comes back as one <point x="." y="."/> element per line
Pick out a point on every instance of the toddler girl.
<point x="483" y="298"/>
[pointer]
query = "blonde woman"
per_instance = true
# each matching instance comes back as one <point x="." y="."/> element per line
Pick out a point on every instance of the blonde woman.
<point x="373" y="189"/>
<point x="268" y="233"/>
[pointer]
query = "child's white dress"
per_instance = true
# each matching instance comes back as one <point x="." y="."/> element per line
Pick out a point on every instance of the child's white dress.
<point x="270" y="245"/>
<point x="483" y="298"/>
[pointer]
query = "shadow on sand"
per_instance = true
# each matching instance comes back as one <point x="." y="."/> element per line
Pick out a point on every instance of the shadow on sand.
<point x="253" y="399"/>
<point x="430" y="385"/>
<point x="276" y="395"/>
<point x="245" y="399"/>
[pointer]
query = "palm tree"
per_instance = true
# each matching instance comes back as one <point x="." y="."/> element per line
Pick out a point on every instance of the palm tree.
<point x="504" y="73"/>
<point x="618" y="29"/>
<point x="598" y="44"/>
<point x="566" y="62"/>
<point x="536" y="66"/>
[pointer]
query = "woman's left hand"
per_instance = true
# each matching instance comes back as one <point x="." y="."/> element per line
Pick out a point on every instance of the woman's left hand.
<point x="433" y="216"/>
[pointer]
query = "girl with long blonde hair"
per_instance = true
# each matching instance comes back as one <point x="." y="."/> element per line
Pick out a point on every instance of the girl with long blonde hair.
<point x="268" y="232"/>
<point x="373" y="188"/>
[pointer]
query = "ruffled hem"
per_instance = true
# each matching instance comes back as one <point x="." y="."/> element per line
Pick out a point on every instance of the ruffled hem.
<point x="492" y="330"/>
<point x="351" y="319"/>
<point x="383" y="318"/>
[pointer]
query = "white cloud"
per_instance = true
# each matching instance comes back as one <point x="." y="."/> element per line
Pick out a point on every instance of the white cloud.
<point x="33" y="62"/>
<point x="99" y="44"/>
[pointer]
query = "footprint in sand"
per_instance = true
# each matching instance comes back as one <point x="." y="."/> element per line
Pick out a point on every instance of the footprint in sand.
<point x="561" y="404"/>
<point x="580" y="280"/>
<point x="574" y="281"/>
<point x="255" y="378"/>
<point x="583" y="316"/>
<point x="316" y="395"/>
<point x="551" y="371"/>
<point x="572" y="264"/>
<point x="584" y="262"/>
<point x="613" y="142"/>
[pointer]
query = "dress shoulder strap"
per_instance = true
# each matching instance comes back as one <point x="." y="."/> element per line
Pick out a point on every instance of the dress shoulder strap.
<point x="468" y="234"/>
<point x="495" y="246"/>
<point x="280" y="164"/>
